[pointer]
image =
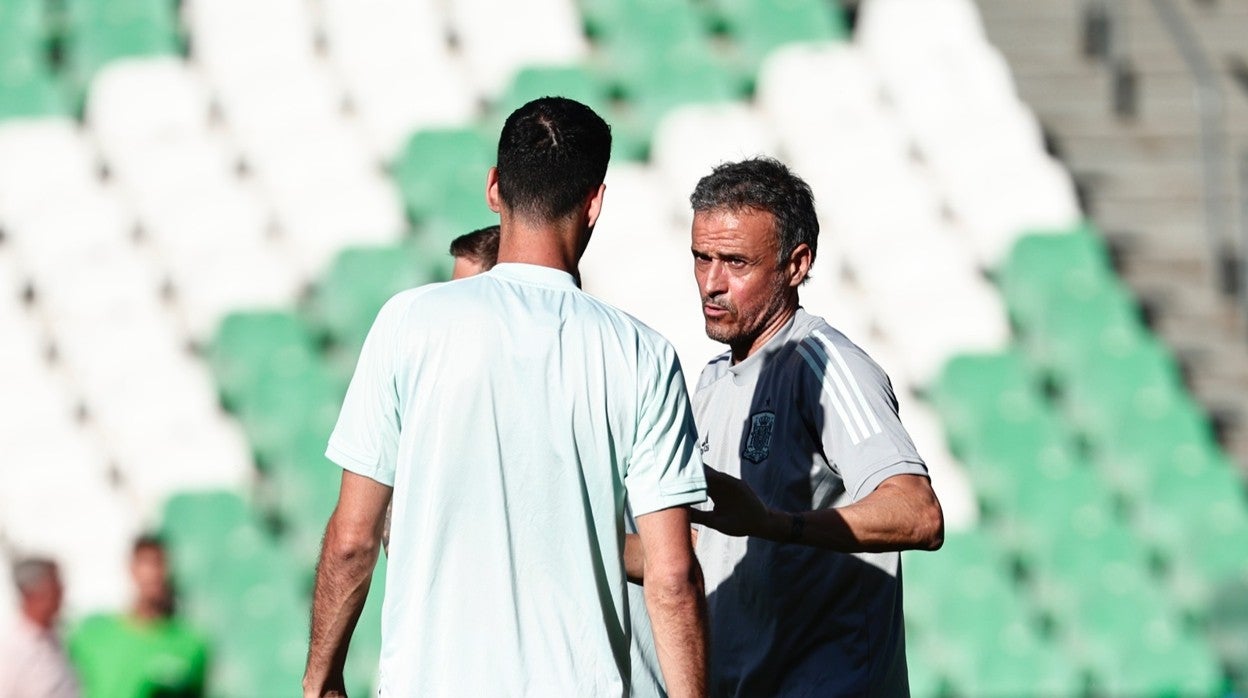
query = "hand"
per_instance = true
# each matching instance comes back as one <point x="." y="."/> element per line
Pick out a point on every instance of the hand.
<point x="738" y="511"/>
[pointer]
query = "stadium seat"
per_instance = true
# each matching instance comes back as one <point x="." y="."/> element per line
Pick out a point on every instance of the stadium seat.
<point x="397" y="69"/>
<point x="28" y="90"/>
<point x="100" y="32"/>
<point x="359" y="281"/>
<point x="247" y="346"/>
<point x="42" y="163"/>
<point x="690" y="141"/>
<point x="23" y="30"/>
<point x="497" y="39"/>
<point x="758" y="27"/>
<point x="1106" y="387"/>
<point x="1043" y="265"/>
<point x="441" y="176"/>
<point x="987" y="393"/>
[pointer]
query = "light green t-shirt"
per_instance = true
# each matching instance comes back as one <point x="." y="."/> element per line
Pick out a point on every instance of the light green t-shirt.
<point x="512" y="413"/>
<point x="119" y="657"/>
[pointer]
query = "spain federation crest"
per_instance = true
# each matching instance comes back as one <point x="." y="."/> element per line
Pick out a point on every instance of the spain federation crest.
<point x="758" y="443"/>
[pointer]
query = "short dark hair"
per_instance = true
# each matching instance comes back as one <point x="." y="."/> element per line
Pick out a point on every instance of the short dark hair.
<point x="480" y="245"/>
<point x="147" y="541"/>
<point x="763" y="184"/>
<point x="552" y="153"/>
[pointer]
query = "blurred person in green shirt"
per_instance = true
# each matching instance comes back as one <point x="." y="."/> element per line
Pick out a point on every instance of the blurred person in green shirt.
<point x="145" y="652"/>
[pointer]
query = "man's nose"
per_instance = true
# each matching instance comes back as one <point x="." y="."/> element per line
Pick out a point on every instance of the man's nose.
<point x="715" y="281"/>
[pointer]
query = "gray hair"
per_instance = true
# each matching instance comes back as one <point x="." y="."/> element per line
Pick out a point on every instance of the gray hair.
<point x="29" y="573"/>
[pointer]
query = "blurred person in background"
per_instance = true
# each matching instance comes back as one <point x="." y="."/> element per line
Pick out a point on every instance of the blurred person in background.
<point x="508" y="414"/>
<point x="145" y="652"/>
<point x="474" y="253"/>
<point x="32" y="662"/>
<point x="815" y="484"/>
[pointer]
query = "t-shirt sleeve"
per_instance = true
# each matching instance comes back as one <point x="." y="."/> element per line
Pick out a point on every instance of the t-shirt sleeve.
<point x="366" y="438"/>
<point x="663" y="470"/>
<point x="850" y="403"/>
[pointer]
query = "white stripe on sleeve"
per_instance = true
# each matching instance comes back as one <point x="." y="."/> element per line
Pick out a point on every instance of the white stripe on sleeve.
<point x="822" y="372"/>
<point x="853" y="382"/>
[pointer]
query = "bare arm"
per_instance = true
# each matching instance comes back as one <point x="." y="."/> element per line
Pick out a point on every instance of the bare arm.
<point x="348" y="555"/>
<point x="675" y="600"/>
<point x="634" y="559"/>
<point x="901" y="514"/>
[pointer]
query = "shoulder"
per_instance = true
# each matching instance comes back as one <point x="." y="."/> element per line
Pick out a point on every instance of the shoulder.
<point x="650" y="343"/>
<point x="714" y="369"/>
<point x="827" y="355"/>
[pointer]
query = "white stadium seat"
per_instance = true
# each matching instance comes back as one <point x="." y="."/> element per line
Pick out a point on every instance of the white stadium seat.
<point x="499" y="37"/>
<point x="397" y="68"/>
<point x="690" y="141"/>
<point x="42" y="163"/>
<point x="148" y="100"/>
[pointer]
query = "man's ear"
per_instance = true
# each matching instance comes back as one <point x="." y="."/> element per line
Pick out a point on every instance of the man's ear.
<point x="798" y="266"/>
<point x="492" y="199"/>
<point x="595" y="205"/>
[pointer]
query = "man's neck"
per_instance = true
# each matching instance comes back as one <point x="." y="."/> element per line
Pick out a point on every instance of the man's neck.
<point x="147" y="613"/>
<point x="558" y="245"/>
<point x="742" y="352"/>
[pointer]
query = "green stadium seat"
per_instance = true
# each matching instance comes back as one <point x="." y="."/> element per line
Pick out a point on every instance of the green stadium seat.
<point x="249" y="345"/>
<point x="441" y="175"/>
<point x="1016" y="661"/>
<point x="29" y="91"/>
<point x="760" y="26"/>
<point x="978" y="394"/>
<point x="1201" y="522"/>
<point x="1138" y="377"/>
<point x="102" y="31"/>
<point x="1106" y="321"/>
<point x="1090" y="542"/>
<point x="23" y="31"/>
<point x="276" y="408"/>
<point x="1050" y="264"/>
<point x="1228" y="627"/>
<point x="264" y="644"/>
<point x="360" y="280"/>
<point x="304" y="486"/>
<point x="573" y="82"/>
<point x="1155" y="657"/>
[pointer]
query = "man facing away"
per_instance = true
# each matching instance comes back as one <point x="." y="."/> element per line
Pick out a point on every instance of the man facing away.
<point x="32" y="662"/>
<point x="509" y="414"/>
<point x="816" y="484"/>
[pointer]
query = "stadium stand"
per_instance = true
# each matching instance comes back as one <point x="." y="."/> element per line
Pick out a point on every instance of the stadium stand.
<point x="187" y="272"/>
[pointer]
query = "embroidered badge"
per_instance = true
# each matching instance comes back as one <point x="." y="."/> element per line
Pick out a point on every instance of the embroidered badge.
<point x="758" y="443"/>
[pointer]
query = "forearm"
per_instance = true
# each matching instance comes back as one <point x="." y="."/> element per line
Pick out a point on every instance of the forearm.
<point x="865" y="526"/>
<point x="635" y="557"/>
<point x="677" y="610"/>
<point x="901" y="514"/>
<point x="342" y="581"/>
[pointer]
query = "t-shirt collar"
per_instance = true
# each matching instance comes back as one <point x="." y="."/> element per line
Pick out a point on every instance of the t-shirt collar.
<point x="533" y="274"/>
<point x="752" y="364"/>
